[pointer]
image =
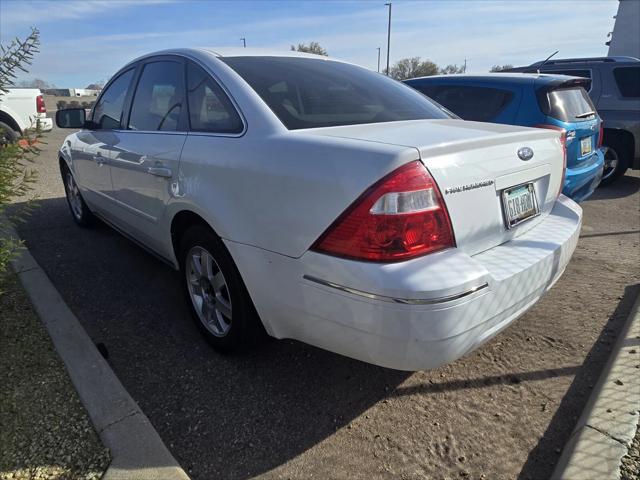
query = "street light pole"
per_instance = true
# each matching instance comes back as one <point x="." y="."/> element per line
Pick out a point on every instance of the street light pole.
<point x="378" y="59"/>
<point x="244" y="42"/>
<point x="388" y="36"/>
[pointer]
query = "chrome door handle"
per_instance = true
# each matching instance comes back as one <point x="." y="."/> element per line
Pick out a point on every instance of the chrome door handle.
<point x="160" y="172"/>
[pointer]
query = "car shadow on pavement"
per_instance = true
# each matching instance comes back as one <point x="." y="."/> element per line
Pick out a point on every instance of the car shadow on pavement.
<point x="542" y="459"/>
<point x="484" y="382"/>
<point x="623" y="187"/>
<point x="222" y="416"/>
<point x="608" y="234"/>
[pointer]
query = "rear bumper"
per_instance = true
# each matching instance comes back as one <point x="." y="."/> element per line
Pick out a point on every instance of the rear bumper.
<point x="581" y="181"/>
<point x="411" y="315"/>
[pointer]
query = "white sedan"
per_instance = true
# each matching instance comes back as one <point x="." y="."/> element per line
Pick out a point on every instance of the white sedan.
<point x="307" y="198"/>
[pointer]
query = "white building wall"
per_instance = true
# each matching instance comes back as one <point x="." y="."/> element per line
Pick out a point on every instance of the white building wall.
<point x="625" y="39"/>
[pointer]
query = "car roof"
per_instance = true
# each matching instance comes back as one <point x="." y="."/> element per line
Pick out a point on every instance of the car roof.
<point x="497" y="77"/>
<point x="257" y="52"/>
<point x="576" y="63"/>
<point x="590" y="60"/>
<point x="229" y="52"/>
<point x="222" y="52"/>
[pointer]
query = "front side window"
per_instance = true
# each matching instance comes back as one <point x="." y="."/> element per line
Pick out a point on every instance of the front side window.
<point x="480" y="104"/>
<point x="210" y="109"/>
<point x="159" y="97"/>
<point x="310" y="93"/>
<point x="107" y="114"/>
<point x="628" y="80"/>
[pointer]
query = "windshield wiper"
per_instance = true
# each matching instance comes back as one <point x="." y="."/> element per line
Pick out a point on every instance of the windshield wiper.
<point x="585" y="114"/>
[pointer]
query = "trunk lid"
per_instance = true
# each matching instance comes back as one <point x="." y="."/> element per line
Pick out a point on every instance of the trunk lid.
<point x="473" y="163"/>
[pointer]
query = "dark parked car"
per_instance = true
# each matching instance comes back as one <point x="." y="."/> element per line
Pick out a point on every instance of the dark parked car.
<point x="614" y="88"/>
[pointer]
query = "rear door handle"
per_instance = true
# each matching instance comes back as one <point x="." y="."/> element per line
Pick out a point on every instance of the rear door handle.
<point x="160" y="172"/>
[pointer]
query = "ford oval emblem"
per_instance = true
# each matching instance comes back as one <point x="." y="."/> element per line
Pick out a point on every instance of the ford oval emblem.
<point x="525" y="153"/>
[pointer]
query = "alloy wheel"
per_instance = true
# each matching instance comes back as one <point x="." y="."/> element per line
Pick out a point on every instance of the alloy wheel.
<point x="209" y="291"/>
<point x="73" y="194"/>
<point x="611" y="161"/>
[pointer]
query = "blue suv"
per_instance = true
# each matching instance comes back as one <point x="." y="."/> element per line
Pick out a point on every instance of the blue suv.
<point x="558" y="102"/>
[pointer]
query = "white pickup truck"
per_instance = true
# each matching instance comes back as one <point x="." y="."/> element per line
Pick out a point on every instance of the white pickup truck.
<point x="22" y="109"/>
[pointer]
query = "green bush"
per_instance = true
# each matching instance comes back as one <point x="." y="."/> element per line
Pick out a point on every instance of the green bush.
<point x="61" y="104"/>
<point x="16" y="178"/>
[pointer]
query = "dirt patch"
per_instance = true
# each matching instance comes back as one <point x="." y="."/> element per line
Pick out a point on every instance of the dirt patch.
<point x="45" y="432"/>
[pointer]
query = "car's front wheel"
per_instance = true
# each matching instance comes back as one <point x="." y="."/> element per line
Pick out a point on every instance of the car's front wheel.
<point x="216" y="295"/>
<point x="79" y="210"/>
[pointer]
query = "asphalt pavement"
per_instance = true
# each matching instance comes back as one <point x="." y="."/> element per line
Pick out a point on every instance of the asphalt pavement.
<point x="289" y="410"/>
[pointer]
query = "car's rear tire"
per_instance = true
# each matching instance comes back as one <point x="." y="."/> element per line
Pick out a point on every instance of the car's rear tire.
<point x="215" y="293"/>
<point x="77" y="206"/>
<point x="616" y="161"/>
<point x="7" y="134"/>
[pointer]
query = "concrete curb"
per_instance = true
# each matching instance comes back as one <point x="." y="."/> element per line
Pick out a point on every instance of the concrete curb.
<point x="608" y="424"/>
<point x="137" y="450"/>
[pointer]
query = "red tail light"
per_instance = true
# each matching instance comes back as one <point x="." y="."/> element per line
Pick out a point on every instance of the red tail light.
<point x="40" y="107"/>
<point x="600" y="134"/>
<point x="563" y="142"/>
<point x="402" y="216"/>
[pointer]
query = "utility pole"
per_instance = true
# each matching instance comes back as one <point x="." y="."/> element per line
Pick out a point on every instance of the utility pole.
<point x="378" y="59"/>
<point x="465" y="66"/>
<point x="388" y="36"/>
<point x="244" y="42"/>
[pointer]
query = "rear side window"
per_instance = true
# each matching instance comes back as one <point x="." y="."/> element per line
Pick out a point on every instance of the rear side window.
<point x="159" y="97"/>
<point x="309" y="92"/>
<point x="481" y="104"/>
<point x="210" y="109"/>
<point x="107" y="114"/>
<point x="628" y="80"/>
<point x="568" y="105"/>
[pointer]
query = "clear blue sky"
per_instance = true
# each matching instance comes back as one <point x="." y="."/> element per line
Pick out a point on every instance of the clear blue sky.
<point x="86" y="41"/>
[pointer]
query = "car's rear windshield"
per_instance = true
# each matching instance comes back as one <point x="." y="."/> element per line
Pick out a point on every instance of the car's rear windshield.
<point x="310" y="93"/>
<point x="569" y="105"/>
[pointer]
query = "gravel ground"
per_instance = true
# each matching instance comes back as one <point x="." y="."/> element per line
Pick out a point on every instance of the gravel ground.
<point x="45" y="432"/>
<point x="289" y="410"/>
<point x="631" y="461"/>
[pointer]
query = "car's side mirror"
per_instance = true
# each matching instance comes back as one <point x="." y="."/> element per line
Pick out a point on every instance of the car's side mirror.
<point x="71" y="118"/>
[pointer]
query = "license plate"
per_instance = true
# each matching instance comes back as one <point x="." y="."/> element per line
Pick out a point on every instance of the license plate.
<point x="585" y="146"/>
<point x="519" y="204"/>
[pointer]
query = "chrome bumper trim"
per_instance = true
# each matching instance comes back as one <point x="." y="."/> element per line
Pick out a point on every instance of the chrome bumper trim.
<point x="404" y="301"/>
